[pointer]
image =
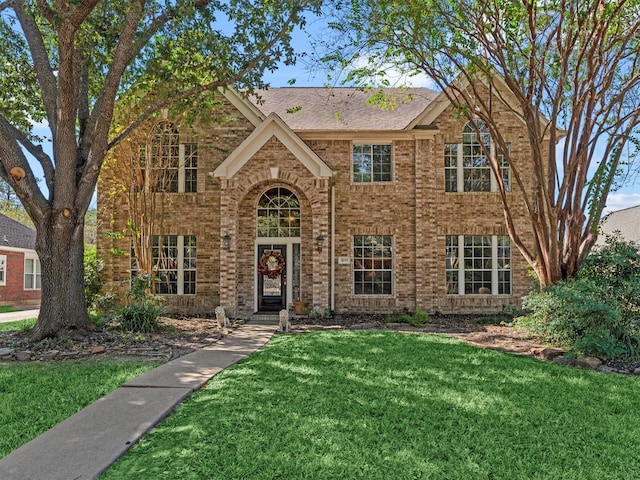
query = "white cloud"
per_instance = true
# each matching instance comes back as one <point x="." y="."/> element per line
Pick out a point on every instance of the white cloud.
<point x="619" y="201"/>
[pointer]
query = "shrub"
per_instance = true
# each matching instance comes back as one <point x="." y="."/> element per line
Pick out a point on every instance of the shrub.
<point x="417" y="319"/>
<point x="92" y="269"/>
<point x="598" y="313"/>
<point x="142" y="310"/>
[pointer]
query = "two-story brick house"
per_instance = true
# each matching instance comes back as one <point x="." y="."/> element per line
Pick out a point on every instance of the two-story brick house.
<point x="312" y="194"/>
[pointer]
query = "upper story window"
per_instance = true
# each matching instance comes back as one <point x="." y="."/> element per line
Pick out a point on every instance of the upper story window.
<point x="371" y="163"/>
<point x="3" y="269"/>
<point x="174" y="165"/>
<point x="278" y="214"/>
<point x="466" y="164"/>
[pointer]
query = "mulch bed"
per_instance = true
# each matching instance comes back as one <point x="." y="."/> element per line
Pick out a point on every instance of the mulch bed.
<point x="182" y="335"/>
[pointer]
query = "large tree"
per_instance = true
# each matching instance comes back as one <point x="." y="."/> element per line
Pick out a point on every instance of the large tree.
<point x="67" y="64"/>
<point x="571" y="71"/>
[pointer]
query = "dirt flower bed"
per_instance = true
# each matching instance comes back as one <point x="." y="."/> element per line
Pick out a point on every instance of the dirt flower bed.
<point x="177" y="337"/>
<point x="182" y="335"/>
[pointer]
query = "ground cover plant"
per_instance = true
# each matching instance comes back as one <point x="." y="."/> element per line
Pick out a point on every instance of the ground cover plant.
<point x="388" y="405"/>
<point x="6" y="309"/>
<point x="36" y="396"/>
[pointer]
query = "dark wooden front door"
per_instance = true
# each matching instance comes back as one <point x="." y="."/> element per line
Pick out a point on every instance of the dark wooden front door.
<point x="272" y="292"/>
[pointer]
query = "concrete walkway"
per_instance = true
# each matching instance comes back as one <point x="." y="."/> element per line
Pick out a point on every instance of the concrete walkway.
<point x="84" y="445"/>
<point x="24" y="313"/>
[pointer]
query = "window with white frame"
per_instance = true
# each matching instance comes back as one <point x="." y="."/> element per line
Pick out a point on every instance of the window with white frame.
<point x="3" y="269"/>
<point x="174" y="264"/>
<point x="372" y="265"/>
<point x="478" y="264"/>
<point x="371" y="163"/>
<point x="174" y="165"/>
<point x="32" y="274"/>
<point x="467" y="165"/>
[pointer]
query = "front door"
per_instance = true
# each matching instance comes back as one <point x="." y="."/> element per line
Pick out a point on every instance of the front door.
<point x="272" y="278"/>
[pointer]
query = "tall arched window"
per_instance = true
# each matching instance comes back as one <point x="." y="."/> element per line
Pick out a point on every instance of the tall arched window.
<point x="278" y="214"/>
<point x="466" y="164"/>
<point x="171" y="166"/>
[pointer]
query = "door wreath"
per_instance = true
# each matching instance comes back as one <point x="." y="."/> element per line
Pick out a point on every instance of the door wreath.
<point x="271" y="264"/>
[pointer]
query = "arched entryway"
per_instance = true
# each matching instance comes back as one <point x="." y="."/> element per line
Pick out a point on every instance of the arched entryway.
<point x="278" y="233"/>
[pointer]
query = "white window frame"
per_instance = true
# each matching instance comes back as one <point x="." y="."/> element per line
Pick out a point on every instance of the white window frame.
<point x="372" y="145"/>
<point x="187" y="151"/>
<point x="498" y="160"/>
<point x="180" y="265"/>
<point x="381" y="258"/>
<point x="3" y="270"/>
<point x="456" y="263"/>
<point x="35" y="274"/>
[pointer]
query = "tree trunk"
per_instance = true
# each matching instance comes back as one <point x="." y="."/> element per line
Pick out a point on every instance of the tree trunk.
<point x="60" y="246"/>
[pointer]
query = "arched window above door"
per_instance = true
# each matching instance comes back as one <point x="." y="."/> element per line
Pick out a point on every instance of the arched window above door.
<point x="278" y="214"/>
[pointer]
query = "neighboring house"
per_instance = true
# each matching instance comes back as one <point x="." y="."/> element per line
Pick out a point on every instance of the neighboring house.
<point x="19" y="264"/>
<point x="626" y="222"/>
<point x="312" y="194"/>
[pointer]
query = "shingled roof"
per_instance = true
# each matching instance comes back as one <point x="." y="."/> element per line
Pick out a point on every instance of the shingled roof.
<point x="14" y="234"/>
<point x="311" y="108"/>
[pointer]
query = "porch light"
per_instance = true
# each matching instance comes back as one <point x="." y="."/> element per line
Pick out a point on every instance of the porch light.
<point x="320" y="242"/>
<point x="226" y="241"/>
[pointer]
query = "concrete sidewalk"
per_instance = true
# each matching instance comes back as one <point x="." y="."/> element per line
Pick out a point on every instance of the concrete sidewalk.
<point x="26" y="312"/>
<point x="84" y="445"/>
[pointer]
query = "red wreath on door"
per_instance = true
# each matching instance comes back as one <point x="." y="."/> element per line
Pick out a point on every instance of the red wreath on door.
<point x="271" y="264"/>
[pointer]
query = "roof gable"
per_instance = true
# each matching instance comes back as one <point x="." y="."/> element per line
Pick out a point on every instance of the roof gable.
<point x="322" y="108"/>
<point x="272" y="126"/>
<point x="15" y="235"/>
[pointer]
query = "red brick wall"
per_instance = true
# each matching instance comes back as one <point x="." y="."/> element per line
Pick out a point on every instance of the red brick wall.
<point x="13" y="292"/>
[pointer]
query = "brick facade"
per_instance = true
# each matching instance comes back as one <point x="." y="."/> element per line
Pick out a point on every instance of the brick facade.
<point x="13" y="291"/>
<point x="413" y="208"/>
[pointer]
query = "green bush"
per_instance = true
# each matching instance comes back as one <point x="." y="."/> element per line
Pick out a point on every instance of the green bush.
<point x="142" y="310"/>
<point x="417" y="319"/>
<point x="598" y="313"/>
<point x="92" y="269"/>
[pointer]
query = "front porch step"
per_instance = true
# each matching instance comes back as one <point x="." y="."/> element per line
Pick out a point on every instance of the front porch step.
<point x="263" y="319"/>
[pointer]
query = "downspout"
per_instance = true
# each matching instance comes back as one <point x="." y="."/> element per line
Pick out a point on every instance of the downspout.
<point x="333" y="248"/>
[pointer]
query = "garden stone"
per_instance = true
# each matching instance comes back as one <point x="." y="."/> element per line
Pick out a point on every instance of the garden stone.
<point x="23" y="356"/>
<point x="5" y="351"/>
<point x="98" y="349"/>
<point x="590" y="363"/>
<point x="550" y="353"/>
<point x="562" y="360"/>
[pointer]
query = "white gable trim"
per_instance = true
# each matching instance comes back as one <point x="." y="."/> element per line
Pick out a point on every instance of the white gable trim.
<point x="244" y="106"/>
<point x="273" y="126"/>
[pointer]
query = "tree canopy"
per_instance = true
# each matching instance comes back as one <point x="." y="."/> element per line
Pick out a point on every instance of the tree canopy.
<point x="67" y="63"/>
<point x="570" y="70"/>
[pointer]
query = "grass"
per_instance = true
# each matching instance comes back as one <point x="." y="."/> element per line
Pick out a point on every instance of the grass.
<point x="36" y="396"/>
<point x="22" y="325"/>
<point x="384" y="405"/>
<point x="7" y="309"/>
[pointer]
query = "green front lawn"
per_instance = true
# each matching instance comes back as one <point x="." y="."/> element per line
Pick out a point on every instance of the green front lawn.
<point x="385" y="405"/>
<point x="36" y="396"/>
<point x="7" y="309"/>
<point x="18" y="325"/>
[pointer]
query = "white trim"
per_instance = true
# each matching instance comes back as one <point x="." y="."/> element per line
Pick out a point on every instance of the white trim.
<point x="273" y="126"/>
<point x="36" y="267"/>
<point x="26" y="251"/>
<point x="3" y="270"/>
<point x="244" y="106"/>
